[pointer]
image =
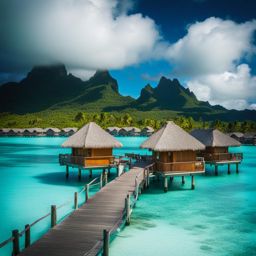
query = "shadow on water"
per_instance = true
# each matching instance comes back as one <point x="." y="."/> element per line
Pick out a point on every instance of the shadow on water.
<point x="26" y="160"/>
<point x="59" y="178"/>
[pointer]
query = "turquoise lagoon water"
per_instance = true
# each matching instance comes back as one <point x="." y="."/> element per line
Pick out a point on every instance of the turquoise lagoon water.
<point x="217" y="218"/>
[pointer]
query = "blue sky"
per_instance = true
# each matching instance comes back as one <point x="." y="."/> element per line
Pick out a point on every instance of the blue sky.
<point x="209" y="45"/>
<point x="173" y="17"/>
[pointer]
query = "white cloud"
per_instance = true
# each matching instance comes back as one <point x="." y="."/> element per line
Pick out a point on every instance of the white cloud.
<point x="83" y="34"/>
<point x="210" y="55"/>
<point x="212" y="46"/>
<point x="233" y="90"/>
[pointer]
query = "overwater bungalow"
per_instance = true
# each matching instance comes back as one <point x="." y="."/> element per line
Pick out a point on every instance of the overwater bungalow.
<point x="249" y="138"/>
<point x="33" y="132"/>
<point x="68" y="131"/>
<point x="129" y="131"/>
<point x="92" y="148"/>
<point x="113" y="130"/>
<point x="216" y="152"/>
<point x="4" y="131"/>
<point x="174" y="153"/>
<point x="15" y="132"/>
<point x="52" y="131"/>
<point x="147" y="131"/>
<point x="239" y="136"/>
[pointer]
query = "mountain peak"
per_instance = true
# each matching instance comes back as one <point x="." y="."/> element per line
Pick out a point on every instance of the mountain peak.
<point x="103" y="77"/>
<point x="43" y="72"/>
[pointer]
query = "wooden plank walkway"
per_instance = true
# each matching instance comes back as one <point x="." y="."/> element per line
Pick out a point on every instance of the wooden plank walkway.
<point x="81" y="233"/>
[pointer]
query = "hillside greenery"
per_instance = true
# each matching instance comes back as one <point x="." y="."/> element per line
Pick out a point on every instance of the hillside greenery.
<point x="72" y="118"/>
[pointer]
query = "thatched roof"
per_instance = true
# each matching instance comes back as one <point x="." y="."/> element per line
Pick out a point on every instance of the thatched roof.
<point x="148" y="129"/>
<point x="214" y="138"/>
<point x="114" y="128"/>
<point x="51" y="128"/>
<point x="236" y="134"/>
<point x="91" y="136"/>
<point x="69" y="129"/>
<point x="32" y="130"/>
<point x="171" y="137"/>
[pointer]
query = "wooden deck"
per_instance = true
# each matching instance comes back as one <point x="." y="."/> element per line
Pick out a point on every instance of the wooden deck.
<point x="81" y="233"/>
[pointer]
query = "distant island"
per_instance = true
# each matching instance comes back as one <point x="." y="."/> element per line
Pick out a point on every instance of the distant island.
<point x="49" y="96"/>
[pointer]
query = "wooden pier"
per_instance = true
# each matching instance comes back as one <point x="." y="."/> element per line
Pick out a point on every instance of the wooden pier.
<point x="87" y="230"/>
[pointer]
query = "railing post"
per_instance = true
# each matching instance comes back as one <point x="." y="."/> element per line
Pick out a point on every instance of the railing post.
<point x="76" y="200"/>
<point x="87" y="192"/>
<point x="127" y="208"/>
<point x="67" y="172"/>
<point x="27" y="235"/>
<point x="16" y="242"/>
<point x="101" y="180"/>
<point x="105" y="242"/>
<point x="53" y="215"/>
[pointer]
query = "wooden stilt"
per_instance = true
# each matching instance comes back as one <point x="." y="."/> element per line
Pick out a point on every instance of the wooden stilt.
<point x="90" y="173"/>
<point x="229" y="169"/>
<point x="237" y="170"/>
<point x="108" y="172"/>
<point x="216" y="170"/>
<point x="171" y="179"/>
<point x="192" y="182"/>
<point x="128" y="210"/>
<point x="101" y="180"/>
<point x="75" y="200"/>
<point x="165" y="184"/>
<point x="183" y="180"/>
<point x="79" y="174"/>
<point x="87" y="192"/>
<point x="67" y="172"/>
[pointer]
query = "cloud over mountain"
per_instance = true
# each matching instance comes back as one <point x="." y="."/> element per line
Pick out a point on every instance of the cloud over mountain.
<point x="88" y="34"/>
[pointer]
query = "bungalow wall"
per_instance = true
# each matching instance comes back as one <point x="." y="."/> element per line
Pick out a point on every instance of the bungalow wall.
<point x="92" y="157"/>
<point x="183" y="161"/>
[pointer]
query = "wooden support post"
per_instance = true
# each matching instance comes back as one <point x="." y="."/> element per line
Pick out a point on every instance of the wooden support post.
<point x="216" y="170"/>
<point x="79" y="174"/>
<point x="148" y="177"/>
<point x="171" y="179"/>
<point x="183" y="180"/>
<point x="15" y="242"/>
<point x="128" y="210"/>
<point x="27" y="236"/>
<point x="192" y="182"/>
<point x="130" y="163"/>
<point x="165" y="184"/>
<point x="75" y="200"/>
<point x="101" y="180"/>
<point x="228" y="168"/>
<point x="105" y="178"/>
<point x="53" y="215"/>
<point x="109" y="171"/>
<point x="87" y="192"/>
<point x="90" y="175"/>
<point x="237" y="170"/>
<point x="67" y="172"/>
<point x="117" y="171"/>
<point x="105" y="242"/>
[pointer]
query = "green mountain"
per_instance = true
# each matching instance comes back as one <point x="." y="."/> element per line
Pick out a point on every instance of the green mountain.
<point x="53" y="88"/>
<point x="47" y="89"/>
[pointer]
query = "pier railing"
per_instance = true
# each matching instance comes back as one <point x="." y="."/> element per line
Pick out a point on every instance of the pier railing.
<point x="223" y="156"/>
<point x="185" y="166"/>
<point x="65" y="159"/>
<point x="101" y="245"/>
<point x="16" y="234"/>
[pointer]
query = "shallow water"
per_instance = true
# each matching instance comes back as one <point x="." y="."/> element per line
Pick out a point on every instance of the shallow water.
<point x="217" y="218"/>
